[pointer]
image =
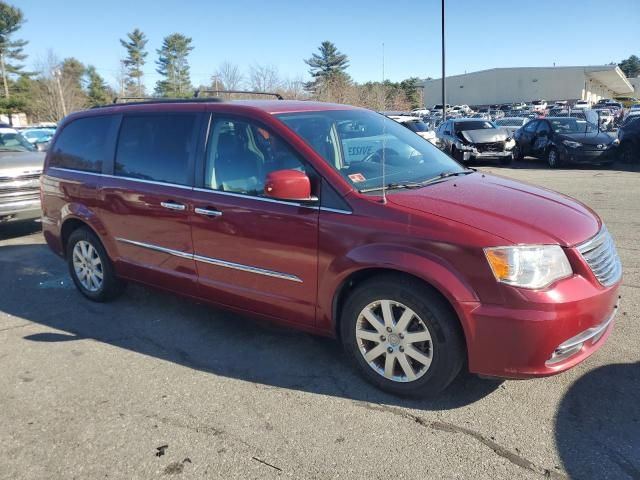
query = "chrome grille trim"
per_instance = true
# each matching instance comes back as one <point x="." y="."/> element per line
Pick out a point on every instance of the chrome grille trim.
<point x="600" y="254"/>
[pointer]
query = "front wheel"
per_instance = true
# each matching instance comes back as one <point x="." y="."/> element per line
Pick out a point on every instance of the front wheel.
<point x="517" y="153"/>
<point x="553" y="159"/>
<point x="90" y="267"/>
<point x="402" y="336"/>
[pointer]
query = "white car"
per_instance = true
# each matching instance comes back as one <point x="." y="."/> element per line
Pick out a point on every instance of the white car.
<point x="539" y="105"/>
<point x="420" y="112"/>
<point x="416" y="125"/>
<point x="605" y="118"/>
<point x="582" y="104"/>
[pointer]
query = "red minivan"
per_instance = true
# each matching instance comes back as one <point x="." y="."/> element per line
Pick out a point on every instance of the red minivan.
<point x="337" y="221"/>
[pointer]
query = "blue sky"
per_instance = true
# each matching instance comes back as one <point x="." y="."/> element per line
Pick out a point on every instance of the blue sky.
<point x="480" y="33"/>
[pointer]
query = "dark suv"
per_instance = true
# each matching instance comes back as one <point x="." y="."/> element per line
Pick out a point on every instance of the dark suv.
<point x="338" y="221"/>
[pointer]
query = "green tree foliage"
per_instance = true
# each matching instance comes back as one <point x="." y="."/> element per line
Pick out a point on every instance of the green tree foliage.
<point x="98" y="93"/>
<point x="410" y="91"/>
<point x="135" y="46"/>
<point x="329" y="65"/>
<point x="630" y="66"/>
<point x="173" y="65"/>
<point x="11" y="51"/>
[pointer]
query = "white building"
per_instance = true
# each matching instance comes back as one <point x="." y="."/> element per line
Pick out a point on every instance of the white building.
<point x="523" y="84"/>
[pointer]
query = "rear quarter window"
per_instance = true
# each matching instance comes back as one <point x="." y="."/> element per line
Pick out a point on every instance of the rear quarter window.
<point x="84" y="144"/>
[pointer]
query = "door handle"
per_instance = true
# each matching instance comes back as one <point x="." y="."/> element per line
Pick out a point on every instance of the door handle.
<point x="173" y="205"/>
<point x="209" y="212"/>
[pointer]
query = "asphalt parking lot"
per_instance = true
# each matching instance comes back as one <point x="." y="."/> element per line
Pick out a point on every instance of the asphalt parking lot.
<point x="153" y="386"/>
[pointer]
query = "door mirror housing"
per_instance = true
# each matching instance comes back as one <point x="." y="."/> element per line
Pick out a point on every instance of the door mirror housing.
<point x="42" y="146"/>
<point x="292" y="185"/>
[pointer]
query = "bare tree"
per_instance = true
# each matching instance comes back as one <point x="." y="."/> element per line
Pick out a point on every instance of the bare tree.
<point x="228" y="75"/>
<point x="293" y="88"/>
<point x="264" y="78"/>
<point x="56" y="91"/>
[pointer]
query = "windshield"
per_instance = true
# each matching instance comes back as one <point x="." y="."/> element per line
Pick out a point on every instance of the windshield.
<point x="417" y="126"/>
<point x="38" y="134"/>
<point x="472" y="125"/>
<point x="14" y="142"/>
<point x="571" y="125"/>
<point x="354" y="142"/>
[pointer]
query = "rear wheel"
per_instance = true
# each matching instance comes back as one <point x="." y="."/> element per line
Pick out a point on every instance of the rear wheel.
<point x="402" y="336"/>
<point x="90" y="267"/>
<point x="553" y="159"/>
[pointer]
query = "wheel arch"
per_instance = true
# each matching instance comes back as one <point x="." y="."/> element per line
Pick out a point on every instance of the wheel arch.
<point x="428" y="272"/>
<point x="78" y="216"/>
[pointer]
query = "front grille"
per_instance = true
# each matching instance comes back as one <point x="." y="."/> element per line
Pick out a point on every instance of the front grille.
<point x="601" y="256"/>
<point x="20" y="184"/>
<point x="490" y="147"/>
<point x="30" y="176"/>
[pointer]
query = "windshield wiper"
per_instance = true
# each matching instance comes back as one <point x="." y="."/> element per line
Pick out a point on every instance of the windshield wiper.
<point x="441" y="176"/>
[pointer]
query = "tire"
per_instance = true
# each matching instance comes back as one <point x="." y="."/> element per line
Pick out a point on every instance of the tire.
<point x="86" y="255"/>
<point x="628" y="153"/>
<point x="553" y="159"/>
<point x="517" y="153"/>
<point x="433" y="359"/>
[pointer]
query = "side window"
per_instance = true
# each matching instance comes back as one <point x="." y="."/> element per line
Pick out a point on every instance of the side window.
<point x="531" y="126"/>
<point x="84" y="144"/>
<point x="241" y="154"/>
<point x="544" y="127"/>
<point x="157" y="147"/>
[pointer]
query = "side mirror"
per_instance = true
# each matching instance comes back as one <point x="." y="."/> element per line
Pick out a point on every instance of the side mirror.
<point x="292" y="185"/>
<point x="42" y="146"/>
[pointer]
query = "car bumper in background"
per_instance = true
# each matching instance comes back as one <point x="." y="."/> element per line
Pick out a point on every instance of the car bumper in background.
<point x="589" y="156"/>
<point x="20" y="210"/>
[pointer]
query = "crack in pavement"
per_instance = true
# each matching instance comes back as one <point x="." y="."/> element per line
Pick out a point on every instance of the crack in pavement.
<point x="13" y="327"/>
<point x="498" y="449"/>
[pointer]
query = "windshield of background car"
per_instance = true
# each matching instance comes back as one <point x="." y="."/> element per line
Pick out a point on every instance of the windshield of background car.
<point x="354" y="143"/>
<point x="417" y="126"/>
<point x="475" y="125"/>
<point x="14" y="142"/>
<point x="571" y="125"/>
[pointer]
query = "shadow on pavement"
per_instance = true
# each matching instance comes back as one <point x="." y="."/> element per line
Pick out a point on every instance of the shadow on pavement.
<point x="36" y="287"/>
<point x="598" y="424"/>
<point x="11" y="230"/>
<point x="541" y="164"/>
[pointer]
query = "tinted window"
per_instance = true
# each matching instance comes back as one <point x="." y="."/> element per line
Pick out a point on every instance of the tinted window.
<point x="241" y="154"/>
<point x="531" y="126"/>
<point x="84" y="144"/>
<point x="156" y="147"/>
<point x="544" y="127"/>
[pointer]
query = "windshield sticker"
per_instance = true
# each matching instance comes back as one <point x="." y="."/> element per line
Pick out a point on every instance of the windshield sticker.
<point x="357" y="177"/>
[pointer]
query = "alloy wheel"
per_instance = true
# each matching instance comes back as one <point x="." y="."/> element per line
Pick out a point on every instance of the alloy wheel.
<point x="88" y="266"/>
<point x="553" y="158"/>
<point x="394" y="341"/>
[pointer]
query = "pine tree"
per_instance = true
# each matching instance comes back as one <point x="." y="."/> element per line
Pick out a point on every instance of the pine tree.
<point x="173" y="65"/>
<point x="630" y="66"/>
<point x="11" y="19"/>
<point x="97" y="90"/>
<point x="136" y="54"/>
<point x="328" y="65"/>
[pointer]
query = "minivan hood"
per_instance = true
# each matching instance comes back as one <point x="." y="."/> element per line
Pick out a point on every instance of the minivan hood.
<point x="515" y="211"/>
<point x="486" y="135"/>
<point x="13" y="164"/>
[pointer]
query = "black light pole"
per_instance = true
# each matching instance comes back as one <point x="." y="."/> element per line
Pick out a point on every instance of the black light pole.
<point x="444" y="88"/>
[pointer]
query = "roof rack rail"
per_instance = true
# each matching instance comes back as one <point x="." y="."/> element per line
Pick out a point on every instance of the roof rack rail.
<point x="150" y="100"/>
<point x="198" y="93"/>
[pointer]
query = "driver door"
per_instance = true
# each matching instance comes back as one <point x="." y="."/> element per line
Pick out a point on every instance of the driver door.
<point x="253" y="253"/>
<point x="542" y="138"/>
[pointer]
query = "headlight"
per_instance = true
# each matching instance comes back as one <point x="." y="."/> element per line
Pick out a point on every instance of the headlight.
<point x="530" y="266"/>
<point x="616" y="142"/>
<point x="571" y="144"/>
<point x="509" y="143"/>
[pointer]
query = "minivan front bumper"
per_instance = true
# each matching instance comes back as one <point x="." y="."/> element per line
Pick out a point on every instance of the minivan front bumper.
<point x="540" y="333"/>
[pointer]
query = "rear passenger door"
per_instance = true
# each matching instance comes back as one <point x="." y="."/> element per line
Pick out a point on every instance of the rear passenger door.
<point x="526" y="136"/>
<point x="541" y="139"/>
<point x="145" y="198"/>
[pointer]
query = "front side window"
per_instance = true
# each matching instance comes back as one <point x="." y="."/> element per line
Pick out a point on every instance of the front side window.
<point x="156" y="147"/>
<point x="360" y="145"/>
<point x="531" y="126"/>
<point x="84" y="144"/>
<point x="241" y="154"/>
